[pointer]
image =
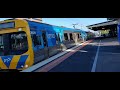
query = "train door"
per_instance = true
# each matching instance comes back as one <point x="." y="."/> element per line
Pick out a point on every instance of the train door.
<point x="6" y="38"/>
<point x="37" y="45"/>
<point x="45" y="43"/>
<point x="57" y="35"/>
<point x="36" y="39"/>
<point x="59" y="43"/>
<point x="1" y="46"/>
<point x="75" y="38"/>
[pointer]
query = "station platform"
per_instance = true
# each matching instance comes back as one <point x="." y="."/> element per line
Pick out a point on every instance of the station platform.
<point x="89" y="58"/>
<point x="109" y="56"/>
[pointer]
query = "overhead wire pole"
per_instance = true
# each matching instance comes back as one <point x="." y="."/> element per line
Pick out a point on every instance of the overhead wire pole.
<point x="74" y="25"/>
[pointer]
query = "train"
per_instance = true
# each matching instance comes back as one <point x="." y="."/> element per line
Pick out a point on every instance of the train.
<point x="24" y="42"/>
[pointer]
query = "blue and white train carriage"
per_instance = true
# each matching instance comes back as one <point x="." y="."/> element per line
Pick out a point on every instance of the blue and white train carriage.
<point x="29" y="42"/>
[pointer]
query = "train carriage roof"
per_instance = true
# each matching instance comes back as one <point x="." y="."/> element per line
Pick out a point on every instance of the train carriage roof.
<point x="60" y="27"/>
<point x="55" y="26"/>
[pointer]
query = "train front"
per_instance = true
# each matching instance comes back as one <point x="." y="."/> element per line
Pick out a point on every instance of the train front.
<point x="15" y="45"/>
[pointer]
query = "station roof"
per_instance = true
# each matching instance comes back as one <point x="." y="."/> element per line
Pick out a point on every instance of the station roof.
<point x="113" y="18"/>
<point x="103" y="25"/>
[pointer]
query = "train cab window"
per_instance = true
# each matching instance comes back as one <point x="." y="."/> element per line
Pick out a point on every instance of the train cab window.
<point x="19" y="43"/>
<point x="71" y="36"/>
<point x="65" y="36"/>
<point x="13" y="43"/>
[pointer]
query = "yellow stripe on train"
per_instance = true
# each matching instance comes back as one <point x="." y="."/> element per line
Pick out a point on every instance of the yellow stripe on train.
<point x="14" y="62"/>
<point x="2" y="65"/>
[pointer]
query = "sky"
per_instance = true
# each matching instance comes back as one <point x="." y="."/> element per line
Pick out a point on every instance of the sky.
<point x="67" y="22"/>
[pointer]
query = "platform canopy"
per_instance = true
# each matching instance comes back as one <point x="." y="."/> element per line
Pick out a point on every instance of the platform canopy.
<point x="104" y="25"/>
<point x="113" y="18"/>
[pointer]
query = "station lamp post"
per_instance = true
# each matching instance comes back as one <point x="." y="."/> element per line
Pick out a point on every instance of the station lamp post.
<point x="74" y="25"/>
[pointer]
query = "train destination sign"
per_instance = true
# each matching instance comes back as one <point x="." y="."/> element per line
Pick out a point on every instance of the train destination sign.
<point x="7" y="25"/>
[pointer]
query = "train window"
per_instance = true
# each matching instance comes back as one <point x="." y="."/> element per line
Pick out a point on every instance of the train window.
<point x="71" y="36"/>
<point x="16" y="43"/>
<point x="65" y="36"/>
<point x="36" y="39"/>
<point x="19" y="40"/>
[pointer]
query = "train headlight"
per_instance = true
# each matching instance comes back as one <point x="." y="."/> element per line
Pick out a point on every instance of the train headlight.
<point x="20" y="29"/>
<point x="26" y="66"/>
